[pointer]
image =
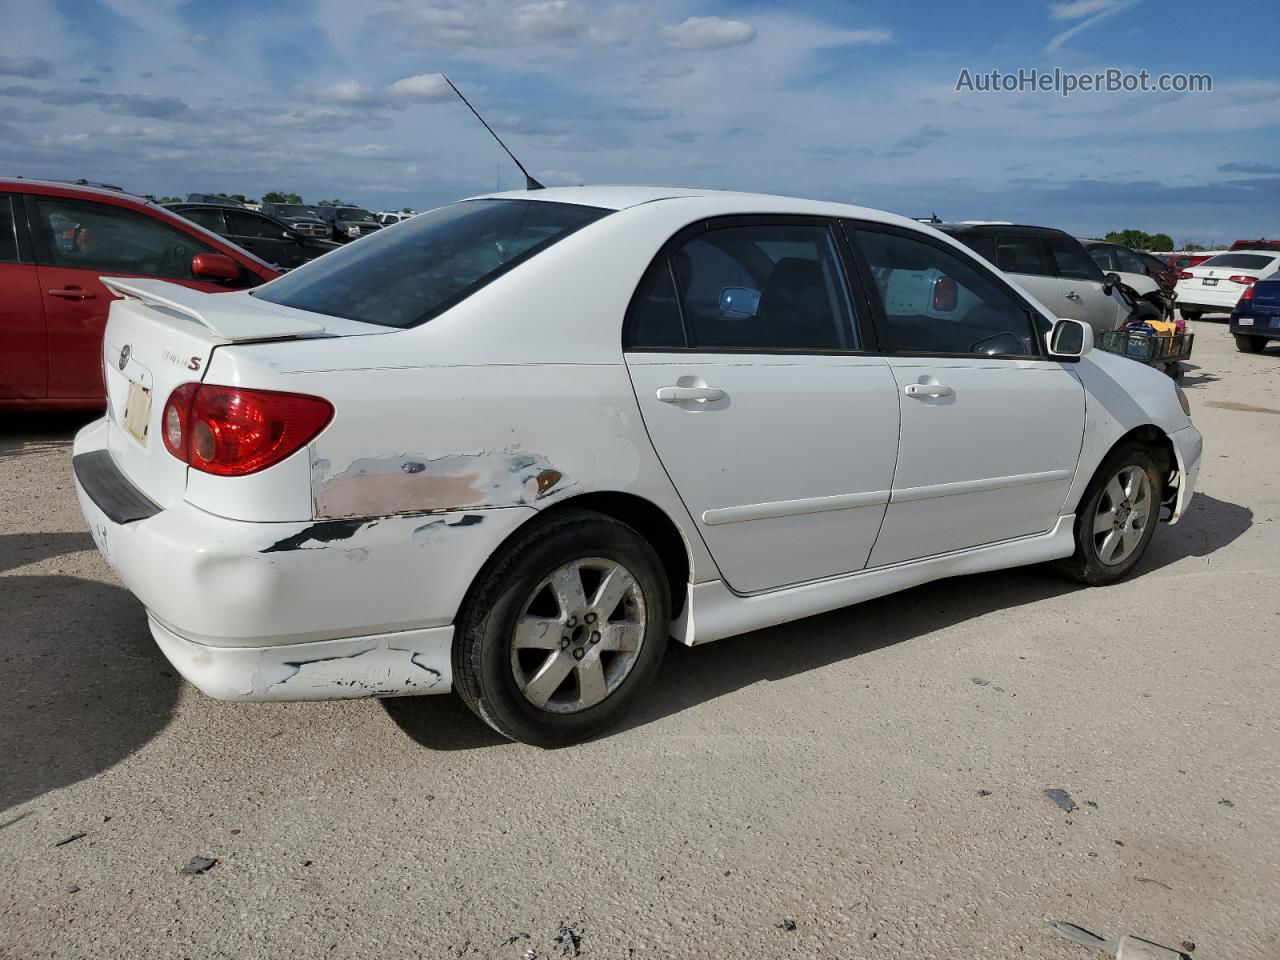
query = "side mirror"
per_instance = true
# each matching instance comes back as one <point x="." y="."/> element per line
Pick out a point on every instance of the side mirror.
<point x="1070" y="339"/>
<point x="214" y="266"/>
<point x="945" y="294"/>
<point x="1112" y="281"/>
<point x="739" y="302"/>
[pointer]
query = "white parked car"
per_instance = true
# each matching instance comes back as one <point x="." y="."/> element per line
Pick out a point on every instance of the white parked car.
<point x="390" y="217"/>
<point x="513" y="445"/>
<point x="1124" y="263"/>
<point x="1215" y="286"/>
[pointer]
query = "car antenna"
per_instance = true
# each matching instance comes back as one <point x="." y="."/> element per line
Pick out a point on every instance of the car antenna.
<point x="529" y="182"/>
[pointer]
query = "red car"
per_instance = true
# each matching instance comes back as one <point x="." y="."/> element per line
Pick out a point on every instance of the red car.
<point x="56" y="240"/>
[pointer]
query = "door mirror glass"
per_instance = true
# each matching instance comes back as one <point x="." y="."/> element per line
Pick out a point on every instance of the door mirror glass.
<point x="214" y="266"/>
<point x="1070" y="338"/>
<point x="945" y="294"/>
<point x="739" y="301"/>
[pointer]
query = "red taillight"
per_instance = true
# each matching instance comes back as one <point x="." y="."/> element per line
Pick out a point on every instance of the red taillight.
<point x="1248" y="292"/>
<point x="233" y="431"/>
<point x="1243" y="278"/>
<point x="1184" y="275"/>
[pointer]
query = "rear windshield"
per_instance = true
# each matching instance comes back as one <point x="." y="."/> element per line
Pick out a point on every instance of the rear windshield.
<point x="406" y="276"/>
<point x="354" y="213"/>
<point x="1248" y="261"/>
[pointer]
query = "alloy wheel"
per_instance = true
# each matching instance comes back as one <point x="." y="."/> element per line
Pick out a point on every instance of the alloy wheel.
<point x="1124" y="511"/>
<point x="578" y="635"/>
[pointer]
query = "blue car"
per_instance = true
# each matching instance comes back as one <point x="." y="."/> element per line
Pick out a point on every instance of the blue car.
<point x="1256" y="318"/>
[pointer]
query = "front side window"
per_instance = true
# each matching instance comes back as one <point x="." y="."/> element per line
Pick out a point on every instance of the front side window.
<point x="760" y="287"/>
<point x="1072" y="260"/>
<point x="356" y="214"/>
<point x="99" y="236"/>
<point x="935" y="302"/>
<point x="1016" y="254"/>
<point x="1127" y="260"/>
<point x="208" y="217"/>
<point x="248" y="225"/>
<point x="404" y="277"/>
<point x="8" y="230"/>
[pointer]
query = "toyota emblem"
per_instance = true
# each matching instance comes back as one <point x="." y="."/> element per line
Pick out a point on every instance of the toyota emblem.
<point x="125" y="351"/>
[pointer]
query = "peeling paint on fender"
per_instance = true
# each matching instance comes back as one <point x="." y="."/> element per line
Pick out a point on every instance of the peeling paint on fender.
<point x="428" y="532"/>
<point x="317" y="535"/>
<point x="413" y="483"/>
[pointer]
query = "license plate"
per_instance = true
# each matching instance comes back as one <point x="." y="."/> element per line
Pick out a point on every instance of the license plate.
<point x="137" y="412"/>
<point x="1210" y="283"/>
<point x="1245" y="321"/>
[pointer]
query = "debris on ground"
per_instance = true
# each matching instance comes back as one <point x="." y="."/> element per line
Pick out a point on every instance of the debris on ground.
<point x="515" y="938"/>
<point x="199" y="864"/>
<point x="1061" y="798"/>
<point x="1189" y="946"/>
<point x="569" y="939"/>
<point x="1221" y="803"/>
<point x="786" y="924"/>
<point x="530" y="954"/>
<point x="71" y="839"/>
<point x="984" y="793"/>
<point x="1122" y="948"/>
<point x="72" y="888"/>
<point x="980" y="681"/>
<point x="1158" y="883"/>
<point x="1091" y="803"/>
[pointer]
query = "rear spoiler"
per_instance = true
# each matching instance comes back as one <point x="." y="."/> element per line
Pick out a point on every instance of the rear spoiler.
<point x="226" y="316"/>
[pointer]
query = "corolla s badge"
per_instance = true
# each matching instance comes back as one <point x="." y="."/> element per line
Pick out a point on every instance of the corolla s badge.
<point x="125" y="351"/>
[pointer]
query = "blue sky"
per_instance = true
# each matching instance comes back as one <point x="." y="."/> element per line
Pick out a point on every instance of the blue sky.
<point x="847" y="101"/>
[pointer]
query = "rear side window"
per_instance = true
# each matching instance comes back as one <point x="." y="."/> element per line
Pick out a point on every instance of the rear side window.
<point x="765" y="287"/>
<point x="8" y="230"/>
<point x="1072" y="260"/>
<point x="935" y="302"/>
<point x="210" y="219"/>
<point x="250" y="225"/>
<point x="404" y="277"/>
<point x="1022" y="255"/>
<point x="100" y="236"/>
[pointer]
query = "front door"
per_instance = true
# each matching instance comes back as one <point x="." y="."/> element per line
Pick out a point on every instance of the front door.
<point x="991" y="428"/>
<point x="778" y="432"/>
<point x="78" y="242"/>
<point x="1084" y="296"/>
<point x="264" y="238"/>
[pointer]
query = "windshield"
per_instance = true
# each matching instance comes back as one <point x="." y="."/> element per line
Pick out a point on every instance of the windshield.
<point x="1248" y="261"/>
<point x="406" y="276"/>
<point x="354" y="213"/>
<point x="295" y="210"/>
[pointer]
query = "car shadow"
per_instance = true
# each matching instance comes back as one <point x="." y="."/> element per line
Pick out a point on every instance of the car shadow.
<point x="1197" y="379"/>
<point x="694" y="675"/>
<point x="85" y="685"/>
<point x="25" y="433"/>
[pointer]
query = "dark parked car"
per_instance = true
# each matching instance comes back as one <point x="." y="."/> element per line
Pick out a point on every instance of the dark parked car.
<point x="302" y="217"/>
<point x="273" y="240"/>
<point x="213" y="198"/>
<point x="1158" y="270"/>
<point x="349" y="223"/>
<point x="1256" y="317"/>
<point x="56" y="241"/>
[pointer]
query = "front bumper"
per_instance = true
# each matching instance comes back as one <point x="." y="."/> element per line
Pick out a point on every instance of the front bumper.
<point x="300" y="610"/>
<point x="1188" y="447"/>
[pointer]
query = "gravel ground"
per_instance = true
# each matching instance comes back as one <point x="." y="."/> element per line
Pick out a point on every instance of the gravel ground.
<point x="874" y="776"/>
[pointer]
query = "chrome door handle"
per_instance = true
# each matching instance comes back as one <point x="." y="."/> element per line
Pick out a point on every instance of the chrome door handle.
<point x="926" y="391"/>
<point x="1072" y="295"/>
<point x="681" y="394"/>
<point x="72" y="293"/>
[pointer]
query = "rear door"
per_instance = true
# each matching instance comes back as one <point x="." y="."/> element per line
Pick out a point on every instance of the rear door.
<point x="777" y="427"/>
<point x="24" y="344"/>
<point x="991" y="428"/>
<point x="78" y="241"/>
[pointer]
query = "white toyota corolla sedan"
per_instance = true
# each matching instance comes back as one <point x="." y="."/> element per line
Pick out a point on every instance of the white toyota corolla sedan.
<point x="512" y="445"/>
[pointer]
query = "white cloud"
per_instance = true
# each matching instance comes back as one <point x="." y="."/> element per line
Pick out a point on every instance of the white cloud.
<point x="707" y="33"/>
<point x="424" y="86"/>
<point x="548" y="20"/>
<point x="1094" y="11"/>
<point x="1075" y="9"/>
<point x="350" y="92"/>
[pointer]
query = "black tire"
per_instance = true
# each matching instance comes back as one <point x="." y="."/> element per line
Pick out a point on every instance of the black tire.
<point x="1191" y="316"/>
<point x="483" y="670"/>
<point x="1086" y="565"/>
<point x="1248" y="344"/>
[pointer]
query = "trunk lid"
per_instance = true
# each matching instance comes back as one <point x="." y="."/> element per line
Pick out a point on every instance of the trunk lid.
<point x="161" y="335"/>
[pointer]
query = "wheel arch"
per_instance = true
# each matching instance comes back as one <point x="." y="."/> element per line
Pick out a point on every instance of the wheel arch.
<point x="1162" y="451"/>
<point x="649" y="520"/>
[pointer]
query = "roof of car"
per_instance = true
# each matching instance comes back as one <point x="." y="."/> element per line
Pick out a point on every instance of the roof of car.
<point x="1001" y="229"/>
<point x="713" y="202"/>
<point x="68" y="188"/>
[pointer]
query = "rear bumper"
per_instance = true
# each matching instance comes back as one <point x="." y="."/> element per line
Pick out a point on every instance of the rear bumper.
<point x="1219" y="299"/>
<point x="299" y="610"/>
<point x="1257" y="324"/>
<point x="1188" y="447"/>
